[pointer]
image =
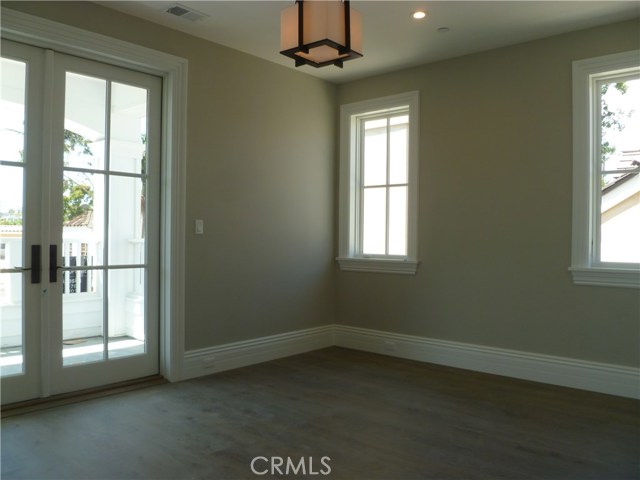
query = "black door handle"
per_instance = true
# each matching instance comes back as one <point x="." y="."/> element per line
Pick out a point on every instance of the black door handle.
<point x="53" y="263"/>
<point x="36" y="263"/>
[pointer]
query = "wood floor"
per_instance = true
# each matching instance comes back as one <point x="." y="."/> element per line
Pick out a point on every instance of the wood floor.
<point x="375" y="417"/>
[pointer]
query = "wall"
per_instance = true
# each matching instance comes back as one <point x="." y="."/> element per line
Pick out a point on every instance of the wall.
<point x="495" y="198"/>
<point x="260" y="173"/>
<point x="495" y="209"/>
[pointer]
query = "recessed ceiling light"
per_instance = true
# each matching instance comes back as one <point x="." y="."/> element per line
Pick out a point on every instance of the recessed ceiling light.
<point x="419" y="15"/>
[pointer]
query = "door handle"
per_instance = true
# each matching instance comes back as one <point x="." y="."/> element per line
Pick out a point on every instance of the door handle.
<point x="53" y="263"/>
<point x="36" y="263"/>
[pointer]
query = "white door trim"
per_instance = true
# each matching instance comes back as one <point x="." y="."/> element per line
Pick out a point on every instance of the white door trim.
<point x="40" y="32"/>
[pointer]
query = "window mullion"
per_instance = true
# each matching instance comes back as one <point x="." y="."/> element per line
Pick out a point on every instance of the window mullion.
<point x="596" y="160"/>
<point x="387" y="233"/>
<point x="360" y="186"/>
<point x="107" y="214"/>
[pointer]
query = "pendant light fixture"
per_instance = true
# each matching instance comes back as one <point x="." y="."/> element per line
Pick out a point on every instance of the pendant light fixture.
<point x="321" y="32"/>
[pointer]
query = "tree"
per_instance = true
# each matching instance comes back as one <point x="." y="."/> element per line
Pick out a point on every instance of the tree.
<point x="74" y="141"/>
<point x="610" y="119"/>
<point x="77" y="198"/>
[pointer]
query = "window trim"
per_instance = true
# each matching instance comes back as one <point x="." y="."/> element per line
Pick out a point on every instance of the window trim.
<point x="586" y="268"/>
<point x="348" y="256"/>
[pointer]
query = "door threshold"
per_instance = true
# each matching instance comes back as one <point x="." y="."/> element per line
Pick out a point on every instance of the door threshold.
<point x="37" y="404"/>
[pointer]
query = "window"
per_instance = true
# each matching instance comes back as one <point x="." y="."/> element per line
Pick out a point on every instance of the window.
<point x="378" y="185"/>
<point x="606" y="171"/>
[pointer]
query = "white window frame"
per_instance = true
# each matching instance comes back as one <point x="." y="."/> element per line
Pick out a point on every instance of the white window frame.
<point x="350" y="256"/>
<point x="586" y="267"/>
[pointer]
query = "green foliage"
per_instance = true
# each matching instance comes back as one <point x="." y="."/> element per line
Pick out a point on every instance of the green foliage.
<point x="74" y="141"/>
<point x="78" y="199"/>
<point x="610" y="120"/>
<point x="14" y="218"/>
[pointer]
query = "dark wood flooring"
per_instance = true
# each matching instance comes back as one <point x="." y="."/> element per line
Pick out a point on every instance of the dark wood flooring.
<point x="375" y="417"/>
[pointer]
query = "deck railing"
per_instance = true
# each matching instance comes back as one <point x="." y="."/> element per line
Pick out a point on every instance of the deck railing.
<point x="78" y="253"/>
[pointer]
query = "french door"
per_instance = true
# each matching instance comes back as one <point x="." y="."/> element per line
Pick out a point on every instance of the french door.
<point x="79" y="223"/>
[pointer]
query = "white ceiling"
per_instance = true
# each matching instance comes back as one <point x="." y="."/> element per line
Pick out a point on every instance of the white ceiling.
<point x="392" y="39"/>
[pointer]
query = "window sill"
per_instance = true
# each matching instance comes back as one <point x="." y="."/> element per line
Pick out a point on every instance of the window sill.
<point x="606" y="277"/>
<point x="378" y="265"/>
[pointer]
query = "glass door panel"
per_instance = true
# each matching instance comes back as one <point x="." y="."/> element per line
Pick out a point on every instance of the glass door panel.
<point x="20" y="214"/>
<point x="104" y="208"/>
<point x="127" y="212"/>
<point x="93" y="319"/>
<point x="11" y="264"/>
<point x="12" y="123"/>
<point x="13" y="76"/>
<point x="127" y="331"/>
<point x="107" y="325"/>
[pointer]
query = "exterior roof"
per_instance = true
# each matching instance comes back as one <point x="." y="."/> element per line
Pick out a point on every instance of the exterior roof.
<point x="83" y="220"/>
<point x="628" y="163"/>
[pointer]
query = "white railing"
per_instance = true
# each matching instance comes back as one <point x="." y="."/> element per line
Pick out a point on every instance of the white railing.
<point x="79" y="253"/>
<point x="83" y="299"/>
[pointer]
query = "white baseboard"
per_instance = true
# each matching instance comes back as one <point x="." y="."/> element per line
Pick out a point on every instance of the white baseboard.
<point x="597" y="377"/>
<point x="566" y="372"/>
<point x="206" y="361"/>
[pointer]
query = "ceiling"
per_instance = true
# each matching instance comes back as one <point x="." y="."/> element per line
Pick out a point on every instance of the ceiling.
<point x="392" y="39"/>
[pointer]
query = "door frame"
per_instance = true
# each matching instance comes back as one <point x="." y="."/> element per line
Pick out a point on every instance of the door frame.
<point x="39" y="32"/>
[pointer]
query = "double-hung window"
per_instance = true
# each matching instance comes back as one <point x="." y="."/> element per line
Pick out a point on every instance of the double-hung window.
<point x="378" y="185"/>
<point x="606" y="171"/>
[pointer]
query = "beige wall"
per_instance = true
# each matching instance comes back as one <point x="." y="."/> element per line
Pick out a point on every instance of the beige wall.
<point x="495" y="209"/>
<point x="495" y="198"/>
<point x="260" y="172"/>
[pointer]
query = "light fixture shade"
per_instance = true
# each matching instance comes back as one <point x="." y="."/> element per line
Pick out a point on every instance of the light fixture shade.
<point x="321" y="32"/>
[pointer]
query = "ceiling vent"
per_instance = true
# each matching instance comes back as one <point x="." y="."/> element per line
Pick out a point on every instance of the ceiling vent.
<point x="186" y="13"/>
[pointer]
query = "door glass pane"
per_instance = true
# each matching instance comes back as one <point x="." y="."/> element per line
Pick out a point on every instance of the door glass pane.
<point x="126" y="221"/>
<point x="83" y="220"/>
<point x="12" y="94"/>
<point x="374" y="221"/>
<point x="128" y="128"/>
<point x="398" y="148"/>
<point x="375" y="152"/>
<point x="126" y="312"/>
<point x="398" y="221"/>
<point x="11" y="256"/>
<point x="11" y="321"/>
<point x="82" y="319"/>
<point x="11" y="198"/>
<point x="83" y="206"/>
<point x="84" y="121"/>
<point x="82" y="245"/>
